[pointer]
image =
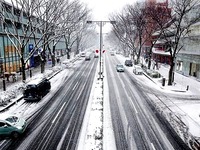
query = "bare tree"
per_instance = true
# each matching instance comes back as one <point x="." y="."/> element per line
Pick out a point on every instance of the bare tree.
<point x="130" y="28"/>
<point x="25" y="22"/>
<point x="117" y="44"/>
<point x="172" y="24"/>
<point x="157" y="16"/>
<point x="74" y="23"/>
<point x="43" y="23"/>
<point x="49" y="14"/>
<point x="185" y="14"/>
<point x="138" y="20"/>
<point x="123" y="29"/>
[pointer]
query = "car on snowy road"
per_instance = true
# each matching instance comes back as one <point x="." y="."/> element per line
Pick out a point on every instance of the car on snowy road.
<point x="128" y="62"/>
<point x="137" y="70"/>
<point x="36" y="89"/>
<point x="120" y="68"/>
<point x="11" y="125"/>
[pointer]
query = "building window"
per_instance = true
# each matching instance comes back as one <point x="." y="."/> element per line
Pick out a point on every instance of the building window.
<point x="26" y="27"/>
<point x="7" y="23"/>
<point x="18" y="25"/>
<point x="7" y="7"/>
<point x="25" y="15"/>
<point x="17" y="12"/>
<point x="38" y="30"/>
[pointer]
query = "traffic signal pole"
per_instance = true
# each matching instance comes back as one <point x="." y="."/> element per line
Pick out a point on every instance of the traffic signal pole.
<point x="100" y="53"/>
<point x="101" y="23"/>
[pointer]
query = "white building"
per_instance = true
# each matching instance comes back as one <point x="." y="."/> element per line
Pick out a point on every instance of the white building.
<point x="188" y="59"/>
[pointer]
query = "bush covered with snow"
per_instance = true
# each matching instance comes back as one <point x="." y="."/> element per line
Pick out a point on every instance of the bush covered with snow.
<point x="15" y="90"/>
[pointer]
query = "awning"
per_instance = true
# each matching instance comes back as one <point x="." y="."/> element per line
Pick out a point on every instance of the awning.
<point x="160" y="52"/>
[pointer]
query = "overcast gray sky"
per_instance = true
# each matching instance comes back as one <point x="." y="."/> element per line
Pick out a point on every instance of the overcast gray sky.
<point x="102" y="8"/>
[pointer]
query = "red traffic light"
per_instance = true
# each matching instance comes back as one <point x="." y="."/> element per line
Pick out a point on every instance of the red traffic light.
<point x="97" y="51"/>
<point x="104" y="51"/>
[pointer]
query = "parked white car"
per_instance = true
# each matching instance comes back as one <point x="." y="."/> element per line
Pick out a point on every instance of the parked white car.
<point x="137" y="70"/>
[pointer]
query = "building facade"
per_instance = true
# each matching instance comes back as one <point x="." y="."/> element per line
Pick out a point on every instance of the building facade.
<point x="15" y="21"/>
<point x="188" y="59"/>
<point x="159" y="7"/>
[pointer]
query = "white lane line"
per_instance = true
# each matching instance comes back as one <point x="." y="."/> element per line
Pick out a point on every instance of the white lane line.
<point x="58" y="113"/>
<point x="80" y="92"/>
<point x="75" y="86"/>
<point x="129" y="98"/>
<point x="153" y="146"/>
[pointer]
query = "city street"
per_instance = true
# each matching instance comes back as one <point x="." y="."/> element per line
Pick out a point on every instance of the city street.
<point x="55" y="121"/>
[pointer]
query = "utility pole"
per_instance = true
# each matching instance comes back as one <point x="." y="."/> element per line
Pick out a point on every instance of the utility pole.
<point x="101" y="24"/>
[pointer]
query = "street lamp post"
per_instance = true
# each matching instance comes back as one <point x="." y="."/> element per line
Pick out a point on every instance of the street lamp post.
<point x="101" y="24"/>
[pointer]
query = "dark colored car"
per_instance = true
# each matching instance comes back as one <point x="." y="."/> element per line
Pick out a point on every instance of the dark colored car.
<point x="87" y="57"/>
<point x="128" y="63"/>
<point x="96" y="55"/>
<point x="36" y="89"/>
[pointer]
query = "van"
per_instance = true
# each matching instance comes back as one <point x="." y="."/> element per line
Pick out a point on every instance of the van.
<point x="36" y="89"/>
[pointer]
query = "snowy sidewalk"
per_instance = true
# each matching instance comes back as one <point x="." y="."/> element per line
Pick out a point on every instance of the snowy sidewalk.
<point x="182" y="82"/>
<point x="14" y="90"/>
<point x="182" y="109"/>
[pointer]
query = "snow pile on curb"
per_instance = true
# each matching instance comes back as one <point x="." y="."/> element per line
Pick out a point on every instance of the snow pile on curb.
<point x="178" y="120"/>
<point x="15" y="90"/>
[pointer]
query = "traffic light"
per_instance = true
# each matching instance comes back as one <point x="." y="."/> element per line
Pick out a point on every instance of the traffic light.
<point x="104" y="51"/>
<point x="97" y="51"/>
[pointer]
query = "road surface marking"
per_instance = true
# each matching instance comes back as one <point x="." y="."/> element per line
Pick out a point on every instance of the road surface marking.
<point x="58" y="113"/>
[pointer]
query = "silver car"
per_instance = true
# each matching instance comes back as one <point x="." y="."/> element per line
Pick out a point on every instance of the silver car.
<point x="120" y="68"/>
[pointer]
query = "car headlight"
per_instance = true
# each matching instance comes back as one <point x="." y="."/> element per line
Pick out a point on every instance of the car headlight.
<point x="19" y="127"/>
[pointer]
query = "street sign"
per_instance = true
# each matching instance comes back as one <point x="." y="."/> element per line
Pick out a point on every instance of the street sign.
<point x="32" y="63"/>
<point x="30" y="47"/>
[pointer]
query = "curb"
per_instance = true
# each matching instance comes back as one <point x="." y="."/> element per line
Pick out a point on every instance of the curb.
<point x="21" y="97"/>
<point x="11" y="104"/>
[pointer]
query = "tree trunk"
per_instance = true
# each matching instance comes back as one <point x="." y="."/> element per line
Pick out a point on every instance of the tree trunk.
<point x="23" y="69"/>
<point x="53" y="60"/>
<point x="149" y="62"/>
<point x="53" y="56"/>
<point x="68" y="53"/>
<point x="149" y="57"/>
<point x="171" y="74"/>
<point x="23" y="65"/>
<point x="42" y="66"/>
